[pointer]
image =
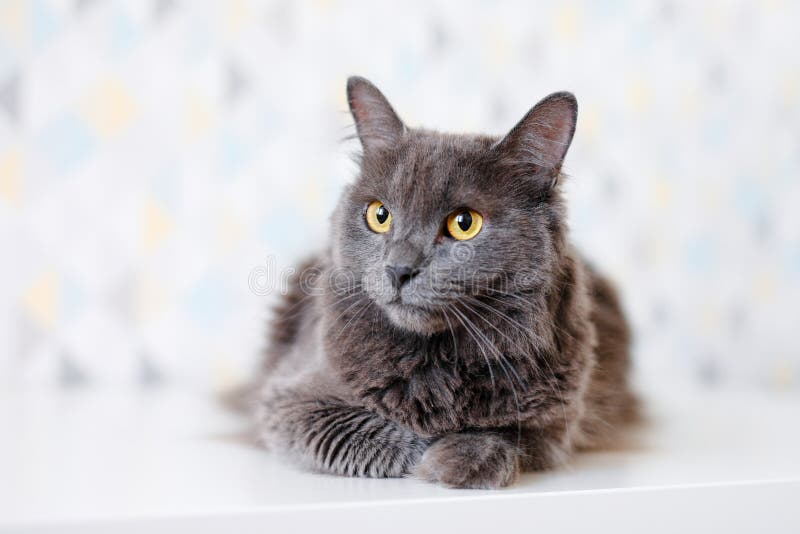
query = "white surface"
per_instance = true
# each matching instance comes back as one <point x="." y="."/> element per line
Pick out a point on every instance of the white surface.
<point x="128" y="461"/>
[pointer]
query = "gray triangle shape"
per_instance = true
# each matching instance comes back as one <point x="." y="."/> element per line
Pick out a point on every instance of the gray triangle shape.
<point x="235" y="83"/>
<point x="149" y="374"/>
<point x="83" y="5"/>
<point x="9" y="96"/>
<point x="163" y="8"/>
<point x="69" y="373"/>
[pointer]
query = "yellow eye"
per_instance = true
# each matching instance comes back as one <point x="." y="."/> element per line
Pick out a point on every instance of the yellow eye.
<point x="464" y="224"/>
<point x="378" y="217"/>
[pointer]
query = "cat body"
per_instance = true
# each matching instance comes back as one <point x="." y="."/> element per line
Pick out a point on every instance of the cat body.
<point x="450" y="333"/>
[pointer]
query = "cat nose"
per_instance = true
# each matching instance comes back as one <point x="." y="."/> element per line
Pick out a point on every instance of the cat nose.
<point x="400" y="274"/>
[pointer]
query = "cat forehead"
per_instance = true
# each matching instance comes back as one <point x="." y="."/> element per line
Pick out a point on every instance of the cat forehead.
<point x="429" y="172"/>
<point x="436" y="163"/>
<point x="432" y="146"/>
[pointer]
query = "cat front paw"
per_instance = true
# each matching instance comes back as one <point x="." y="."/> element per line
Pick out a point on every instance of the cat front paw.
<point x="470" y="460"/>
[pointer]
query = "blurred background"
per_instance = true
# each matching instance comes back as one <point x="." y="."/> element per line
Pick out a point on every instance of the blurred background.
<point x="155" y="154"/>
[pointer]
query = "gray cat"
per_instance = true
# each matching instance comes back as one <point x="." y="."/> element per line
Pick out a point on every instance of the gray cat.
<point x="449" y="331"/>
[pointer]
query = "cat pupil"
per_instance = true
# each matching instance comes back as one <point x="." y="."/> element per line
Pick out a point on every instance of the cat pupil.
<point x="381" y="214"/>
<point x="464" y="220"/>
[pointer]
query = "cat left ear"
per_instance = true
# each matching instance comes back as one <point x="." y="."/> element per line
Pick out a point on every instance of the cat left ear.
<point x="539" y="142"/>
<point x="377" y="124"/>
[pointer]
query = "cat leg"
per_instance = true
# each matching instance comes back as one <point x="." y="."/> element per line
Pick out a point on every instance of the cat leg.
<point x="329" y="435"/>
<point x="485" y="460"/>
<point x="548" y="447"/>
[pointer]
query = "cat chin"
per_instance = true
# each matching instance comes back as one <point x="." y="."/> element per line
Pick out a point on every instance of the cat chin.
<point x="415" y="319"/>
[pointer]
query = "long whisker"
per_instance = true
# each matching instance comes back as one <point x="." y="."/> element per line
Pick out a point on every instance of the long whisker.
<point x="468" y="330"/>
<point x="555" y="390"/>
<point x="550" y="324"/>
<point x="343" y="312"/>
<point x="509" y="340"/>
<point x="453" y="335"/>
<point x="283" y="317"/>
<point x="355" y="316"/>
<point x="505" y="366"/>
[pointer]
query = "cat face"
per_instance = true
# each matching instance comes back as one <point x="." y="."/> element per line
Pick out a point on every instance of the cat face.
<point x="437" y="225"/>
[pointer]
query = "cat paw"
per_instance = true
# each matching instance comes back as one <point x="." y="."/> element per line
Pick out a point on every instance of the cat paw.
<point x="470" y="460"/>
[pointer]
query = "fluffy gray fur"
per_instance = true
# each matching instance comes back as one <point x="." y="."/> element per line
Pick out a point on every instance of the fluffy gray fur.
<point x="503" y="353"/>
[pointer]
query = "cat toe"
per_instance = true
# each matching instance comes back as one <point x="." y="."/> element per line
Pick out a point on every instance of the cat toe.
<point x="470" y="460"/>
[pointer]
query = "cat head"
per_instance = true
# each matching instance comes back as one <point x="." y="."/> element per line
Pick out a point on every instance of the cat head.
<point x="436" y="223"/>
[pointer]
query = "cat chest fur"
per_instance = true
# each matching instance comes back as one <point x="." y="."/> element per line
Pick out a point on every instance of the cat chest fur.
<point x="451" y="381"/>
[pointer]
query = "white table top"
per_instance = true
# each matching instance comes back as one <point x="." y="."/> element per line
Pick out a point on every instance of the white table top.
<point x="169" y="459"/>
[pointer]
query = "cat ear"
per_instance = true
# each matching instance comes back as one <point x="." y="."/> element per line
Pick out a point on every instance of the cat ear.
<point x="539" y="142"/>
<point x="377" y="124"/>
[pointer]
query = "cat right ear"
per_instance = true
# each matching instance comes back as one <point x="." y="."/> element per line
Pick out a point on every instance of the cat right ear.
<point x="377" y="124"/>
<point x="538" y="143"/>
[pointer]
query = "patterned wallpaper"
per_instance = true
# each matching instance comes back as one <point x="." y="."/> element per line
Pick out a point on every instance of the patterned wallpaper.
<point x="155" y="153"/>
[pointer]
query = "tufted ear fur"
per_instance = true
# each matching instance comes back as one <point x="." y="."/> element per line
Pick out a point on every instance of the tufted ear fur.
<point x="377" y="124"/>
<point x="538" y="143"/>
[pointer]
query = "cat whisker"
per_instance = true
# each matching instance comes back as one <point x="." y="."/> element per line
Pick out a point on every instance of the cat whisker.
<point x="343" y="312"/>
<point x="461" y="318"/>
<point x="556" y="391"/>
<point x="508" y="340"/>
<point x="355" y="316"/>
<point x="452" y="335"/>
<point x="528" y="329"/>
<point x="504" y="365"/>
<point x="296" y="308"/>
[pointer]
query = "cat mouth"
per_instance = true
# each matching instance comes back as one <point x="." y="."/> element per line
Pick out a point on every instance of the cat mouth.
<point x="422" y="305"/>
<point x="399" y="304"/>
<point x="420" y="318"/>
